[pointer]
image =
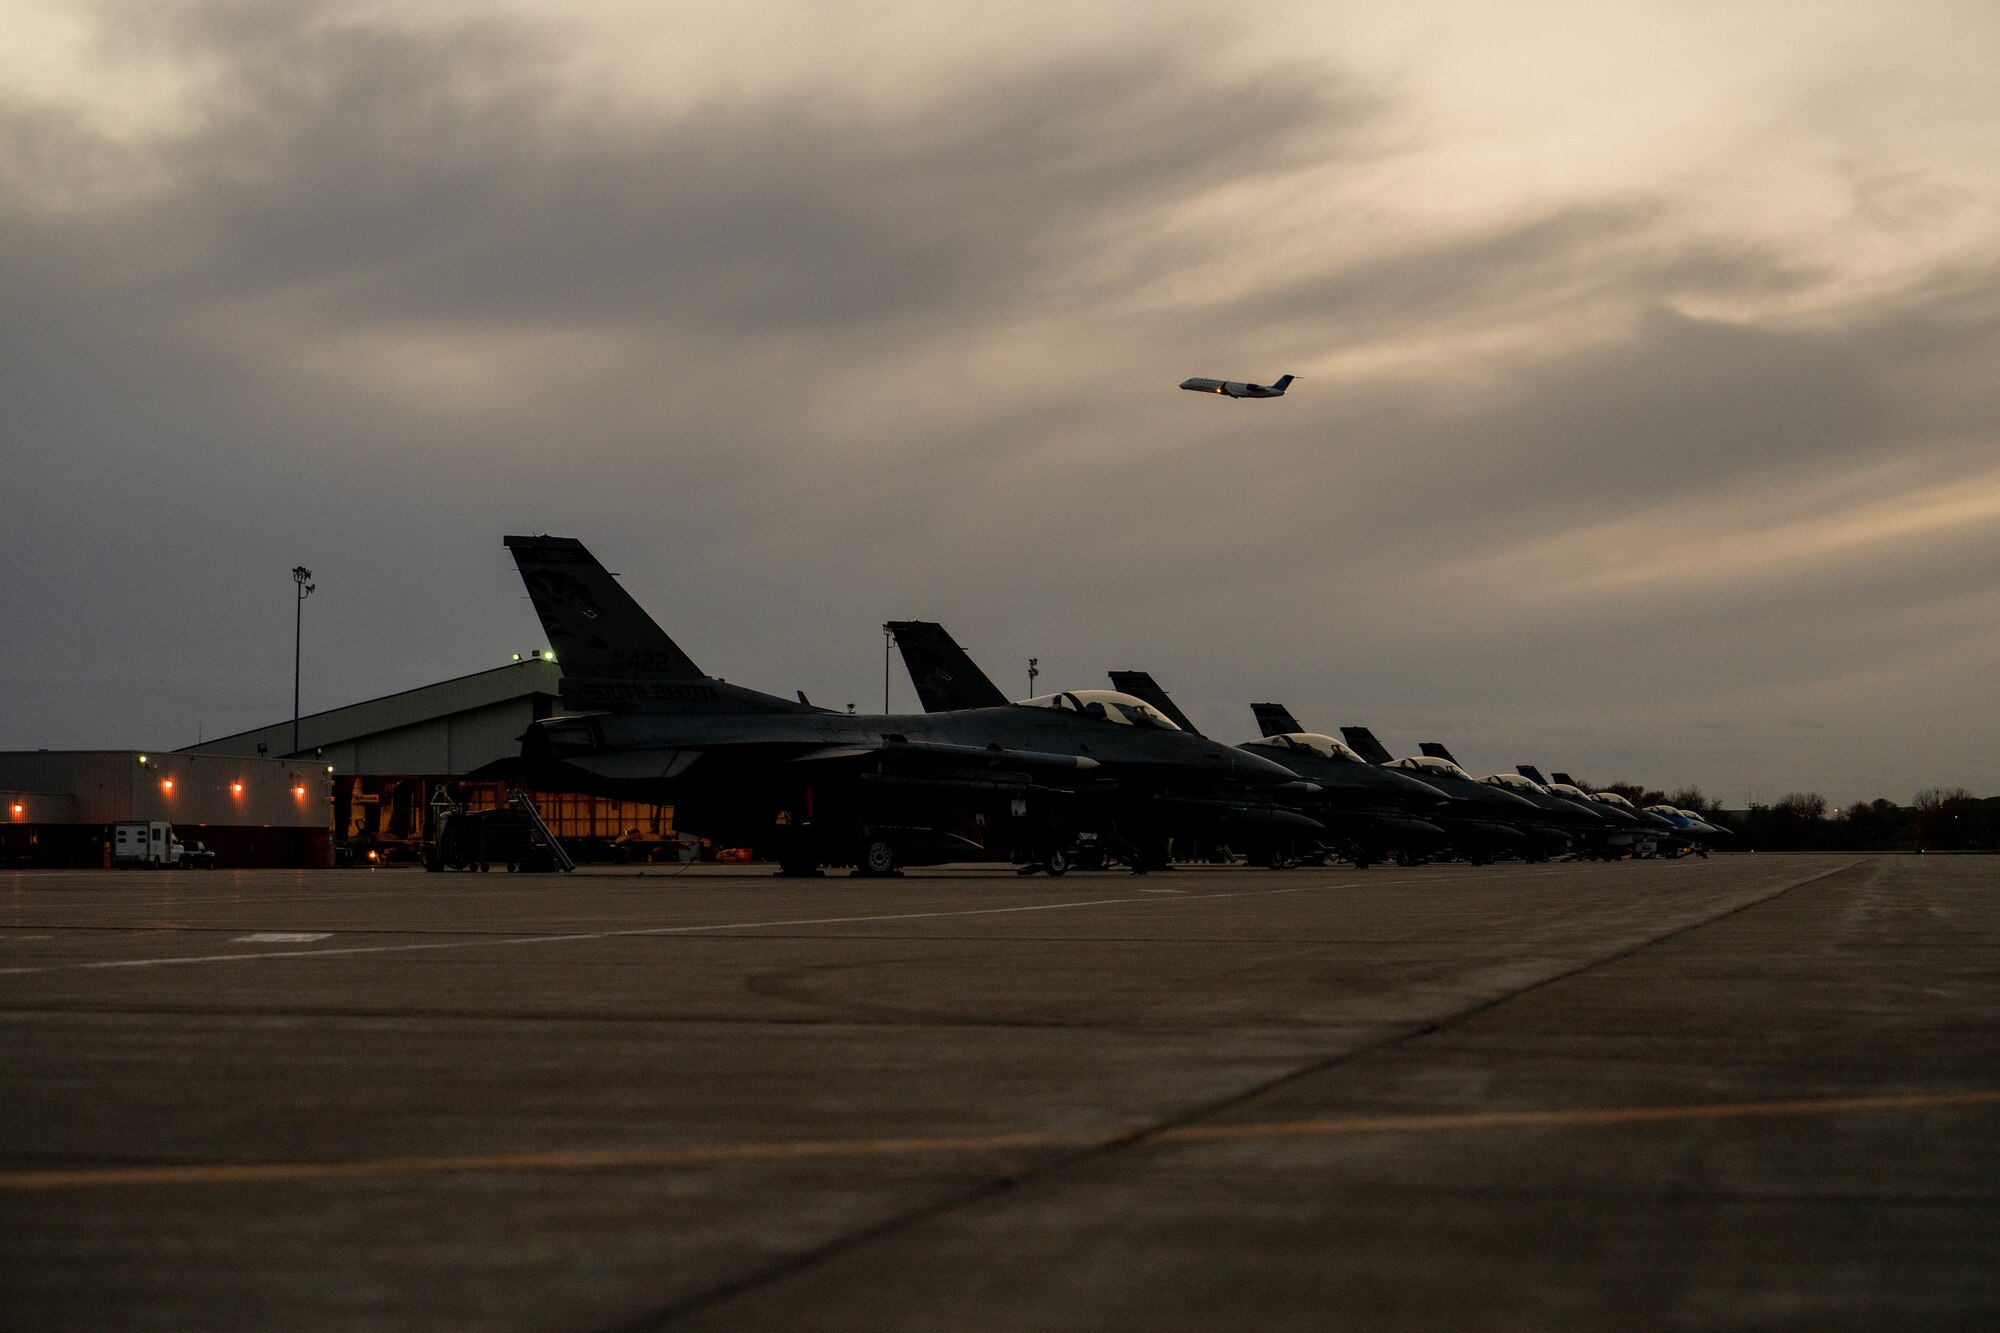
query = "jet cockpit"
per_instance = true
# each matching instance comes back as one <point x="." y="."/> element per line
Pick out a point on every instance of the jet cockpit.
<point x="1311" y="742"/>
<point x="1106" y="706"/>
<point x="1515" y="782"/>
<point x="1443" y="768"/>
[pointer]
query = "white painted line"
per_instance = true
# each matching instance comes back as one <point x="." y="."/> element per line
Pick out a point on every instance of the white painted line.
<point x="283" y="937"/>
<point x="583" y="938"/>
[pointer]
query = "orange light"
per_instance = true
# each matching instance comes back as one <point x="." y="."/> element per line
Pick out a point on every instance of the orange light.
<point x="167" y="783"/>
<point x="236" y="788"/>
<point x="18" y="807"/>
<point x="298" y="791"/>
<point x="374" y="855"/>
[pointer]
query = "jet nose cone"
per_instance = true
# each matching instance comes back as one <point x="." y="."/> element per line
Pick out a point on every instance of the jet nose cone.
<point x="1413" y="790"/>
<point x="1253" y="768"/>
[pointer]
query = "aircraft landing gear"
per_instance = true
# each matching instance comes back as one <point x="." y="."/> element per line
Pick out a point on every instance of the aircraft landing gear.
<point x="878" y="861"/>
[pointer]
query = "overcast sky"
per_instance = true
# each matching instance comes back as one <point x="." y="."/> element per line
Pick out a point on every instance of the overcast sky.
<point x="1647" y="422"/>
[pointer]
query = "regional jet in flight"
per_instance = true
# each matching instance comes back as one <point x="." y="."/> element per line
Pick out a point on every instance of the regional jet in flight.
<point x="1239" y="389"/>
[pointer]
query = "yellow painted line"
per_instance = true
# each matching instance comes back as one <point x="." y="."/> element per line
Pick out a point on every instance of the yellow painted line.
<point x="1590" y="1118"/>
<point x="808" y="1149"/>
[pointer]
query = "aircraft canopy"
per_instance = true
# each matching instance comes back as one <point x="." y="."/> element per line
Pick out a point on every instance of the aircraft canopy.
<point x="1444" y="768"/>
<point x="1517" y="782"/>
<point x="1326" y="747"/>
<point x="1107" y="705"/>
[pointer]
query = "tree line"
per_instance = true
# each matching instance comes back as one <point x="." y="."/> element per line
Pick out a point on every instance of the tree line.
<point x="1943" y="819"/>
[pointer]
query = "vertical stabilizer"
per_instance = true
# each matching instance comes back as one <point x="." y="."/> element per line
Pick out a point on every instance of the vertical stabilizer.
<point x="1275" y="720"/>
<point x="1569" y="781"/>
<point x="946" y="679"/>
<point x="1362" y="741"/>
<point x="1436" y="750"/>
<point x="613" y="655"/>
<point x="593" y="624"/>
<point x="1531" y="773"/>
<point x="1141" y="685"/>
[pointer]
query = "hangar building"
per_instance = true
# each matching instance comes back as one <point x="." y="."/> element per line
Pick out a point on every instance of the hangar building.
<point x="392" y="758"/>
<point x="57" y="806"/>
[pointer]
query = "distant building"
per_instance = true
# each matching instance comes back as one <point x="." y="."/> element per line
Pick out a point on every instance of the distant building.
<point x="57" y="806"/>
<point x="392" y="758"/>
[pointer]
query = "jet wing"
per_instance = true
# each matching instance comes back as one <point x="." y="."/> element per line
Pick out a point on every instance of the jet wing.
<point x="634" y="765"/>
<point x="940" y="752"/>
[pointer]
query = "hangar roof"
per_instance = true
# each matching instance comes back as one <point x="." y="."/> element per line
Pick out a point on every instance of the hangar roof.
<point x="530" y="687"/>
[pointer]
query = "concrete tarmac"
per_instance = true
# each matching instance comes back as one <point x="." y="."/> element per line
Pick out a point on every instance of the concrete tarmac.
<point x="1751" y="1092"/>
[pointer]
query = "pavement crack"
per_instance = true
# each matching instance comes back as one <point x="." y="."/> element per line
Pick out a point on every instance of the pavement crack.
<point x="813" y="1256"/>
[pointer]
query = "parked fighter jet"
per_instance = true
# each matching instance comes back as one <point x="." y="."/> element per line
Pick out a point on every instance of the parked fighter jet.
<point x="1370" y="813"/>
<point x="1139" y="815"/>
<point x="1240" y="389"/>
<point x="1483" y="822"/>
<point x="1578" y="825"/>
<point x="1654" y="832"/>
<point x="1627" y="835"/>
<point x="814" y="787"/>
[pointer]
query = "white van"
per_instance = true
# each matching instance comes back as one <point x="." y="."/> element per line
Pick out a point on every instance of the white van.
<point x="152" y="843"/>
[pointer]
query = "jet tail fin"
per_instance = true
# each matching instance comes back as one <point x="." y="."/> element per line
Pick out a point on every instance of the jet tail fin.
<point x="1436" y="750"/>
<point x="946" y="679"/>
<point x="1275" y="720"/>
<point x="1362" y="741"/>
<point x="1567" y="780"/>
<point x="1531" y="773"/>
<point x="1141" y="685"/>
<point x="612" y="653"/>
<point x="1283" y="382"/>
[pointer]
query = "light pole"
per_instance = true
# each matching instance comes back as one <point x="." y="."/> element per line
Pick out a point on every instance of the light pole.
<point x="1034" y="670"/>
<point x="301" y="577"/>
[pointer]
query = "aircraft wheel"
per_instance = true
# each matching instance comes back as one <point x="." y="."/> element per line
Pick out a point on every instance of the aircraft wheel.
<point x="1056" y="863"/>
<point x="878" y="858"/>
<point x="1275" y="859"/>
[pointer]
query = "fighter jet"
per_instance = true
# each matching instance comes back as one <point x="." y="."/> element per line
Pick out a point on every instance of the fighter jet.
<point x="806" y="785"/>
<point x="1239" y="389"/>
<point x="1627" y="831"/>
<point x="1653" y="833"/>
<point x="1141" y="813"/>
<point x="1563" y="826"/>
<point x="1483" y="822"/>
<point x="1370" y="813"/>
